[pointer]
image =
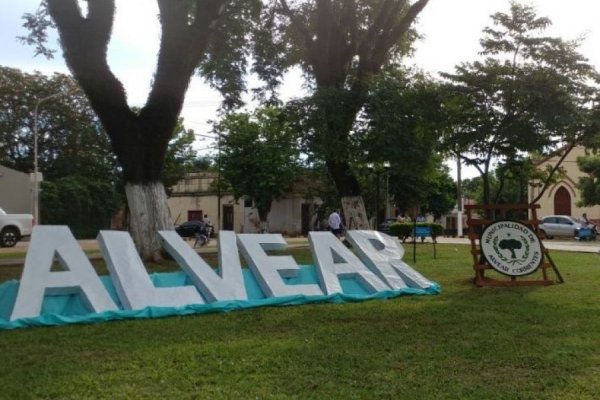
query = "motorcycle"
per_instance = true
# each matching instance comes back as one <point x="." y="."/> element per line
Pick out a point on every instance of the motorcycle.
<point x="203" y="235"/>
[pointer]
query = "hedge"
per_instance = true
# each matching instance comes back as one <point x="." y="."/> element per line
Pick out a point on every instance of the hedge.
<point x="404" y="230"/>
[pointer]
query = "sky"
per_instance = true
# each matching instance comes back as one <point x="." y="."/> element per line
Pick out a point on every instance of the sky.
<point x="451" y="30"/>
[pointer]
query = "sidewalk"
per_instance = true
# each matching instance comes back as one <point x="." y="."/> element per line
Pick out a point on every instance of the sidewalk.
<point x="562" y="245"/>
<point x="302" y="242"/>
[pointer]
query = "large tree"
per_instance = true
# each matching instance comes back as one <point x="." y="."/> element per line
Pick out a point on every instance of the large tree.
<point x="340" y="46"/>
<point x="140" y="140"/>
<point x="531" y="93"/>
<point x="401" y="124"/>
<point x="259" y="156"/>
<point x="80" y="171"/>
<point x="82" y="181"/>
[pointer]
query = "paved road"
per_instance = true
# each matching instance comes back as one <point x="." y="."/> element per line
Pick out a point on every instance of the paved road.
<point x="91" y="245"/>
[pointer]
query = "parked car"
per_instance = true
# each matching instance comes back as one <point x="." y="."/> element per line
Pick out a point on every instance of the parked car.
<point x="189" y="228"/>
<point x="559" y="225"/>
<point x="13" y="227"/>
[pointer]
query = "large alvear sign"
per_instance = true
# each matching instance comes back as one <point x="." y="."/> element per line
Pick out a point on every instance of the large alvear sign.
<point x="375" y="266"/>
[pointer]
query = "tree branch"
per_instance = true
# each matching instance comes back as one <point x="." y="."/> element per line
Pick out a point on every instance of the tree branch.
<point x="85" y="42"/>
<point x="399" y="30"/>
<point x="552" y="172"/>
<point x="297" y="23"/>
<point x="182" y="46"/>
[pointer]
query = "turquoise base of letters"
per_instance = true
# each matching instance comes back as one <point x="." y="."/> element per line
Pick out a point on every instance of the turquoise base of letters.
<point x="70" y="309"/>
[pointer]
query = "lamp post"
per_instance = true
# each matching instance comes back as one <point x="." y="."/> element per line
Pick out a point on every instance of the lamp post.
<point x="36" y="180"/>
<point x="378" y="170"/>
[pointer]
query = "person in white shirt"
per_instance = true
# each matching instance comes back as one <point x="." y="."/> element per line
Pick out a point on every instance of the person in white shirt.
<point x="335" y="223"/>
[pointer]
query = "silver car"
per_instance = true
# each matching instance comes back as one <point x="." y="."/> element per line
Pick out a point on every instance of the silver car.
<point x="559" y="225"/>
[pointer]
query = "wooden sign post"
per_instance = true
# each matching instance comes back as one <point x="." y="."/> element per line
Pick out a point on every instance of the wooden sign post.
<point x="506" y="246"/>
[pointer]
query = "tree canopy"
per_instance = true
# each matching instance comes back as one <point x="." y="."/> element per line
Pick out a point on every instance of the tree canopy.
<point x="79" y="168"/>
<point x="82" y="184"/>
<point x="531" y="93"/>
<point x="340" y="46"/>
<point x="401" y="124"/>
<point x="259" y="156"/>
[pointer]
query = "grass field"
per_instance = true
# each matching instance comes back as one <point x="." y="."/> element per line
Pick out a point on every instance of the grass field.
<point x="466" y="343"/>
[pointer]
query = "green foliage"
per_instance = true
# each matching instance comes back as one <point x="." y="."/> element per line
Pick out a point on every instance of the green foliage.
<point x="82" y="185"/>
<point x="225" y="62"/>
<point x="259" y="155"/>
<point x="340" y="46"/>
<point x="180" y="158"/>
<point x="590" y="184"/>
<point x="81" y="178"/>
<point x="70" y="137"/>
<point x="38" y="24"/>
<point x="402" y="125"/>
<point x="508" y="183"/>
<point x="532" y="93"/>
<point x="85" y="205"/>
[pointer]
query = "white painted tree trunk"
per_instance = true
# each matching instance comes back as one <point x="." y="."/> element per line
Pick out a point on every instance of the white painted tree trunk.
<point x="149" y="214"/>
<point x="355" y="213"/>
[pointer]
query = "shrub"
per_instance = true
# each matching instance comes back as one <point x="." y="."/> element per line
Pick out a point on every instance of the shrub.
<point x="404" y="230"/>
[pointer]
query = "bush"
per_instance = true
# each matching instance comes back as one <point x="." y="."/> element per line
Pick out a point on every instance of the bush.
<point x="404" y="230"/>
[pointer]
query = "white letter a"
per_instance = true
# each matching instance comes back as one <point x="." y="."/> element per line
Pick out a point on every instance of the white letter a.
<point x="38" y="279"/>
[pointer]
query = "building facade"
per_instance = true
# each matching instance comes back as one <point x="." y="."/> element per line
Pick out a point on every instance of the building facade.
<point x="197" y="195"/>
<point x="16" y="190"/>
<point x="562" y="197"/>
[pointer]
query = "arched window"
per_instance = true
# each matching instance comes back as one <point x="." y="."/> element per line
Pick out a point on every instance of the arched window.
<point x="562" y="202"/>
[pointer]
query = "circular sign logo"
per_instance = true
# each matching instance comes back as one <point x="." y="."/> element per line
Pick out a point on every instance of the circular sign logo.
<point x="511" y="248"/>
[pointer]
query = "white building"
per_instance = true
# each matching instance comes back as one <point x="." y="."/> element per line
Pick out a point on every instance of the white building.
<point x="197" y="195"/>
<point x="562" y="197"/>
<point x="16" y="190"/>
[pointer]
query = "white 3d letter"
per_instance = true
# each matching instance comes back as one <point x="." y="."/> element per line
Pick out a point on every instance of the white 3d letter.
<point x="130" y="278"/>
<point x="228" y="284"/>
<point x="269" y="270"/>
<point x="334" y="261"/>
<point x="78" y="276"/>
<point x="383" y="255"/>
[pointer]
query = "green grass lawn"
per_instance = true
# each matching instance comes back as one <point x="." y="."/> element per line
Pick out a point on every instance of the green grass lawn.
<point x="466" y="343"/>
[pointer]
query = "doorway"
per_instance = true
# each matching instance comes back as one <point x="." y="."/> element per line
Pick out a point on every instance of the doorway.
<point x="227" y="217"/>
<point x="562" y="202"/>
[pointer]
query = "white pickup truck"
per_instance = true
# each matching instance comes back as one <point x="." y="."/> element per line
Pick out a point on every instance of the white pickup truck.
<point x="13" y="227"/>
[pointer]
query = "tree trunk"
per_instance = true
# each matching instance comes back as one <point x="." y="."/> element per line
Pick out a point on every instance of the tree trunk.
<point x="139" y="141"/>
<point x="148" y="215"/>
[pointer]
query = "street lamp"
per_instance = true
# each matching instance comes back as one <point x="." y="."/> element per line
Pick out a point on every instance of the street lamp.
<point x="378" y="170"/>
<point x="36" y="180"/>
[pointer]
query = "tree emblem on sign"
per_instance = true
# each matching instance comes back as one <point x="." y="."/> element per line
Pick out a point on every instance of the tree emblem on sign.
<point x="511" y="244"/>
